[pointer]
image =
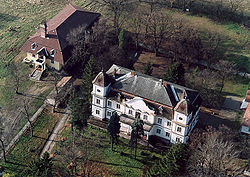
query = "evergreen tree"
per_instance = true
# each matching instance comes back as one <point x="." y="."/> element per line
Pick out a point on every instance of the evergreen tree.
<point x="80" y="111"/>
<point x="114" y="128"/>
<point x="175" y="73"/>
<point x="148" y="68"/>
<point x="40" y="167"/>
<point x="171" y="164"/>
<point x="123" y="39"/>
<point x="137" y="132"/>
<point x="90" y="72"/>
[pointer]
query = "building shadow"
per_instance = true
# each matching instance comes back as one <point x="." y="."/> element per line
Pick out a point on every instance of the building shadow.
<point x="214" y="121"/>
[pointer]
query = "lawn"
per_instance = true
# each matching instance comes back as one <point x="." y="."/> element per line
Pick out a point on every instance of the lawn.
<point x="27" y="148"/>
<point x="116" y="163"/>
<point x="236" y="86"/>
<point x="36" y="104"/>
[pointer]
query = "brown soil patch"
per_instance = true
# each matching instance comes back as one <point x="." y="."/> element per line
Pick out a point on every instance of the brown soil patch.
<point x="160" y="64"/>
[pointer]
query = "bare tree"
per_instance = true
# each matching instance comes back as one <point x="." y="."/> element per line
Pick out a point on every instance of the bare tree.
<point x="161" y="27"/>
<point x="152" y="3"/>
<point x="56" y="79"/>
<point x="187" y="44"/>
<point x="206" y="81"/>
<point x="116" y="8"/>
<point x="77" y="39"/>
<point x="136" y="25"/>
<point x="17" y="75"/>
<point x="214" y="154"/>
<point x="212" y="44"/>
<point x="225" y="69"/>
<point x="2" y="141"/>
<point x="27" y="114"/>
<point x="76" y="153"/>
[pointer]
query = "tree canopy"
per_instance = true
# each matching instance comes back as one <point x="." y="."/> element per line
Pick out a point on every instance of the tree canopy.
<point x="114" y="128"/>
<point x="171" y="164"/>
<point x="175" y="73"/>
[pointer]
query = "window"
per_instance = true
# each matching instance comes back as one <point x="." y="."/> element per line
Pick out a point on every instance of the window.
<point x="145" y="117"/>
<point x="180" y="118"/>
<point x="158" y="131"/>
<point x="130" y="112"/>
<point x="98" y="90"/>
<point x="168" y="123"/>
<point x="109" y="102"/>
<point x="178" y="129"/>
<point x="33" y="46"/>
<point x="137" y="115"/>
<point x="118" y="106"/>
<point x="53" y="52"/>
<point x="98" y="101"/>
<point x="178" y="140"/>
<point x="33" y="55"/>
<point x="97" y="112"/>
<point x="159" y="120"/>
<point x="167" y="134"/>
<point x="52" y="62"/>
<point x="108" y="113"/>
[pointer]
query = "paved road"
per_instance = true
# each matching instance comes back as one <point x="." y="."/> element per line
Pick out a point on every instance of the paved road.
<point x="232" y="102"/>
<point x="56" y="132"/>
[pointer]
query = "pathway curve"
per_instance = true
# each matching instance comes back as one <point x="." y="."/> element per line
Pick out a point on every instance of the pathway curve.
<point x="56" y="132"/>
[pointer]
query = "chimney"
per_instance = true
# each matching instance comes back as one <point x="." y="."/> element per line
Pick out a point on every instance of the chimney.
<point x="132" y="73"/>
<point x="114" y="72"/>
<point x="183" y="95"/>
<point x="161" y="81"/>
<point x="43" y="30"/>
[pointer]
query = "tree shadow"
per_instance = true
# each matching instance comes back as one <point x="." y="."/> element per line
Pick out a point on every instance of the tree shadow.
<point x="16" y="163"/>
<point x="114" y="164"/>
<point x="6" y="18"/>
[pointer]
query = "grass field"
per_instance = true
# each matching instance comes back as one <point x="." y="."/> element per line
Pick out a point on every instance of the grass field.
<point x="27" y="148"/>
<point x="116" y="163"/>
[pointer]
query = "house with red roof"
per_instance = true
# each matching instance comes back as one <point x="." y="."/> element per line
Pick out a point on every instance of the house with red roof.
<point x="49" y="47"/>
<point x="245" y="124"/>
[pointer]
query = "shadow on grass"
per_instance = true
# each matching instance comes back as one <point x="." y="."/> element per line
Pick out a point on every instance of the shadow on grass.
<point x="114" y="164"/>
<point x="15" y="163"/>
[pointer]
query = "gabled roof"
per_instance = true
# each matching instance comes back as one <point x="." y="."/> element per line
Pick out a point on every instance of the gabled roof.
<point x="148" y="87"/>
<point x="102" y="79"/>
<point x="58" y="28"/>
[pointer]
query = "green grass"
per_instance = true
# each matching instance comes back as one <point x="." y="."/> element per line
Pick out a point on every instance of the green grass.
<point x="36" y="104"/>
<point x="119" y="162"/>
<point x="27" y="148"/>
<point x="236" y="86"/>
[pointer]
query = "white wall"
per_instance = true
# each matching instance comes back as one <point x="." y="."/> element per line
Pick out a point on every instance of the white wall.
<point x="101" y="91"/>
<point x="178" y="116"/>
<point x="101" y="110"/>
<point x="102" y="101"/>
<point x="174" y="136"/>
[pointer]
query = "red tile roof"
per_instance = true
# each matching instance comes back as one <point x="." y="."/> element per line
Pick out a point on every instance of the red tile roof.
<point x="247" y="99"/>
<point x="58" y="28"/>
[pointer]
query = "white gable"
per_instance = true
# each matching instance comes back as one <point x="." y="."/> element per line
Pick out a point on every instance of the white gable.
<point x="137" y="103"/>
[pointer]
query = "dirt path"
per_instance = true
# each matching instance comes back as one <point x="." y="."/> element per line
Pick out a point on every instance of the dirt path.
<point x="56" y="132"/>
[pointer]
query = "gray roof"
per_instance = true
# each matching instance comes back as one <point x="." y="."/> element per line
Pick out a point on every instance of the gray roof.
<point x="149" y="87"/>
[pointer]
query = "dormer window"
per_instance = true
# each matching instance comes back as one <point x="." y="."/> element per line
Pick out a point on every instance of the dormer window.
<point x="33" y="46"/>
<point x="53" y="52"/>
